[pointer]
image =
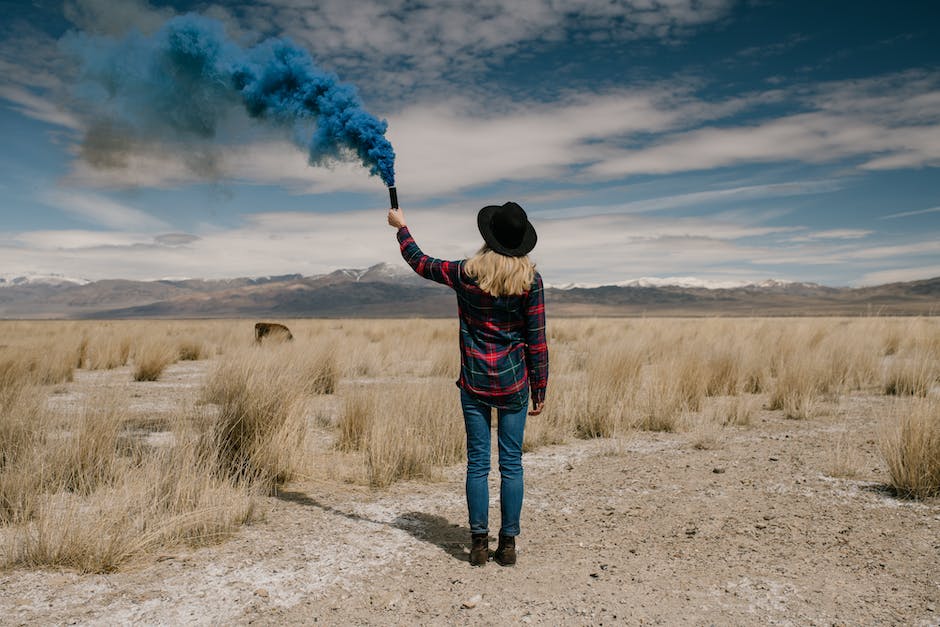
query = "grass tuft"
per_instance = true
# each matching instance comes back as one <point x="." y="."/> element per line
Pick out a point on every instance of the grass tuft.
<point x="910" y="444"/>
<point x="259" y="433"/>
<point x="151" y="359"/>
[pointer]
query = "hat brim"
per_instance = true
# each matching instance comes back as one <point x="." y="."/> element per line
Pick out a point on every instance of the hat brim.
<point x="485" y="224"/>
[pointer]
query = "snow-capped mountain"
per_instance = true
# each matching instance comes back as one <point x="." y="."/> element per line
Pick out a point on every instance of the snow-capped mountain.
<point x="379" y="272"/>
<point x="385" y="290"/>
<point x="689" y="282"/>
<point x="32" y="279"/>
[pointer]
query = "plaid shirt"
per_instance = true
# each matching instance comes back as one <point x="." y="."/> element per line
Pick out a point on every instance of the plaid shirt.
<point x="502" y="339"/>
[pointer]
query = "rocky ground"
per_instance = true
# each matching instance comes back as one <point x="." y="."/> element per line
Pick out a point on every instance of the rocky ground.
<point x="642" y="530"/>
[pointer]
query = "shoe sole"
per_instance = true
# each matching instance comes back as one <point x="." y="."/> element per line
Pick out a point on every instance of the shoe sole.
<point x="476" y="563"/>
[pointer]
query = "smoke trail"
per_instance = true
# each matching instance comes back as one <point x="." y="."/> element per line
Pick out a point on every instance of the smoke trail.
<point x="183" y="80"/>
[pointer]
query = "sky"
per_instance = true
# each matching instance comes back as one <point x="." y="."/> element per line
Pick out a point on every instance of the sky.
<point x="718" y="139"/>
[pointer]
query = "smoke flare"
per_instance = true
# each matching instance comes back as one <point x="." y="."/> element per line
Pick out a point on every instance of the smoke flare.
<point x="184" y="78"/>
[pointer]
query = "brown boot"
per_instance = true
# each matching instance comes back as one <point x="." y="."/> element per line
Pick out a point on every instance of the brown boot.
<point x="506" y="553"/>
<point x="479" y="549"/>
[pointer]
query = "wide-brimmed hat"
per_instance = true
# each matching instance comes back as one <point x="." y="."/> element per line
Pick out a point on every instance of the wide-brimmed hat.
<point x="506" y="229"/>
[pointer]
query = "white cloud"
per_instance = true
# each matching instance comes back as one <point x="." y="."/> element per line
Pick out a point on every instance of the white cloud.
<point x="400" y="43"/>
<point x="595" y="249"/>
<point x="899" y="251"/>
<point x="285" y="164"/>
<point x="38" y="108"/>
<point x="264" y="162"/>
<point x="267" y="244"/>
<point x="55" y="241"/>
<point x="899" y="275"/>
<point x="912" y="147"/>
<point x="144" y="166"/>
<point x="115" y="18"/>
<point x="898" y="127"/>
<point x="440" y="148"/>
<point x="886" y="122"/>
<point x="175" y="239"/>
<point x="451" y="145"/>
<point x="102" y="211"/>
<point x="447" y="145"/>
<point x="889" y="121"/>
<point x="810" y="138"/>
<point x="832" y="234"/>
<point x="598" y="249"/>
<point x="859" y="255"/>
<point x="29" y="57"/>
<point x="905" y="214"/>
<point x="697" y="199"/>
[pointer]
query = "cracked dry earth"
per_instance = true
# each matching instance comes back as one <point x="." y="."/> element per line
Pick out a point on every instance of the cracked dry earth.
<point x="645" y="529"/>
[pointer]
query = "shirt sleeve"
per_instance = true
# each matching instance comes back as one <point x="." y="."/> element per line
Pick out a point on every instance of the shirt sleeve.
<point x="536" y="352"/>
<point x="446" y="272"/>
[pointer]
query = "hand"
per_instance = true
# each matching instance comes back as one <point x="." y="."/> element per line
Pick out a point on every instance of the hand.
<point x="396" y="218"/>
<point x="536" y="408"/>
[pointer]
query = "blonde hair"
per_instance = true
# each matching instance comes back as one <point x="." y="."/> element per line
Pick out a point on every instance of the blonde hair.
<point x="500" y="275"/>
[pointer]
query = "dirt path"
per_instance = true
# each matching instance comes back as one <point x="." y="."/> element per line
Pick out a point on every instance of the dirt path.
<point x="642" y="530"/>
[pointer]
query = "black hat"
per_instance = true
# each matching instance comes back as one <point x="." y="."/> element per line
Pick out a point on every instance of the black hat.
<point x="507" y="229"/>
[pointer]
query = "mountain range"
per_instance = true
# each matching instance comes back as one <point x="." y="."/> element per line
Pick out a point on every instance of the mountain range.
<point x="389" y="291"/>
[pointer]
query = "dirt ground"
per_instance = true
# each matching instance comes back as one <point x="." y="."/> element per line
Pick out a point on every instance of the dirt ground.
<point x="641" y="530"/>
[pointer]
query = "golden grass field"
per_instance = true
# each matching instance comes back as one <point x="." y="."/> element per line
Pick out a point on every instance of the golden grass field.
<point x="111" y="477"/>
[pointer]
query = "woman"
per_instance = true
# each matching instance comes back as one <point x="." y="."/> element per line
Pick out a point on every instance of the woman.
<point x="503" y="358"/>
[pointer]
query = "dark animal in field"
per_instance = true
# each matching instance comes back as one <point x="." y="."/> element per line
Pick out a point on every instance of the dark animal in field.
<point x="272" y="331"/>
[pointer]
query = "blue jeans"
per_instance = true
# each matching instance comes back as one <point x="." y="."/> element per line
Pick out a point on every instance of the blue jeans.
<point x="510" y="428"/>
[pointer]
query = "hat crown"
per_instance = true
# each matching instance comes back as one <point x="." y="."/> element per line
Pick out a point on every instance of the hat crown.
<point x="509" y="224"/>
<point x="506" y="229"/>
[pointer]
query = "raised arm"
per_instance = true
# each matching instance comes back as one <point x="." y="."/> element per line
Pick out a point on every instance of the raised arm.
<point x="439" y="270"/>
<point x="536" y="351"/>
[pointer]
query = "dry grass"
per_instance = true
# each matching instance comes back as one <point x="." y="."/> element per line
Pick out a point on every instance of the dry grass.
<point x="356" y="421"/>
<point x="706" y="436"/>
<point x="22" y="431"/>
<point x="798" y="384"/>
<point x="910" y="445"/>
<point x="321" y="373"/>
<point x="259" y="433"/>
<point x="659" y="407"/>
<point x="79" y="488"/>
<point x="48" y="364"/>
<point x="79" y="496"/>
<point x="167" y="498"/>
<point x="844" y="459"/>
<point x="444" y="361"/>
<point x="106" y="351"/>
<point x="152" y="358"/>
<point x="911" y="376"/>
<point x="87" y="456"/>
<point x="192" y="349"/>
<point x="403" y="431"/>
<point x="594" y="400"/>
<point x="737" y="411"/>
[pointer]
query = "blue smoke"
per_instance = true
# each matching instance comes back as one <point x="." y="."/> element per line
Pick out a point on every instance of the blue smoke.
<point x="181" y="81"/>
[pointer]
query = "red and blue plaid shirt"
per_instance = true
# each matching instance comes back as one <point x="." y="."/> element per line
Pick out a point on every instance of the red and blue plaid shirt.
<point x="503" y="350"/>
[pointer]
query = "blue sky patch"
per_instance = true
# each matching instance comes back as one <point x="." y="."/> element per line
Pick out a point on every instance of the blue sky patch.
<point x="718" y="139"/>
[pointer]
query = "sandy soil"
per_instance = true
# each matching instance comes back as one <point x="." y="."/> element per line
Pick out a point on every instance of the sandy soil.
<point x="642" y="530"/>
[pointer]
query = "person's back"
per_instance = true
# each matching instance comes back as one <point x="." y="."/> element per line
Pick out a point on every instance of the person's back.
<point x="503" y="357"/>
<point x="494" y="328"/>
